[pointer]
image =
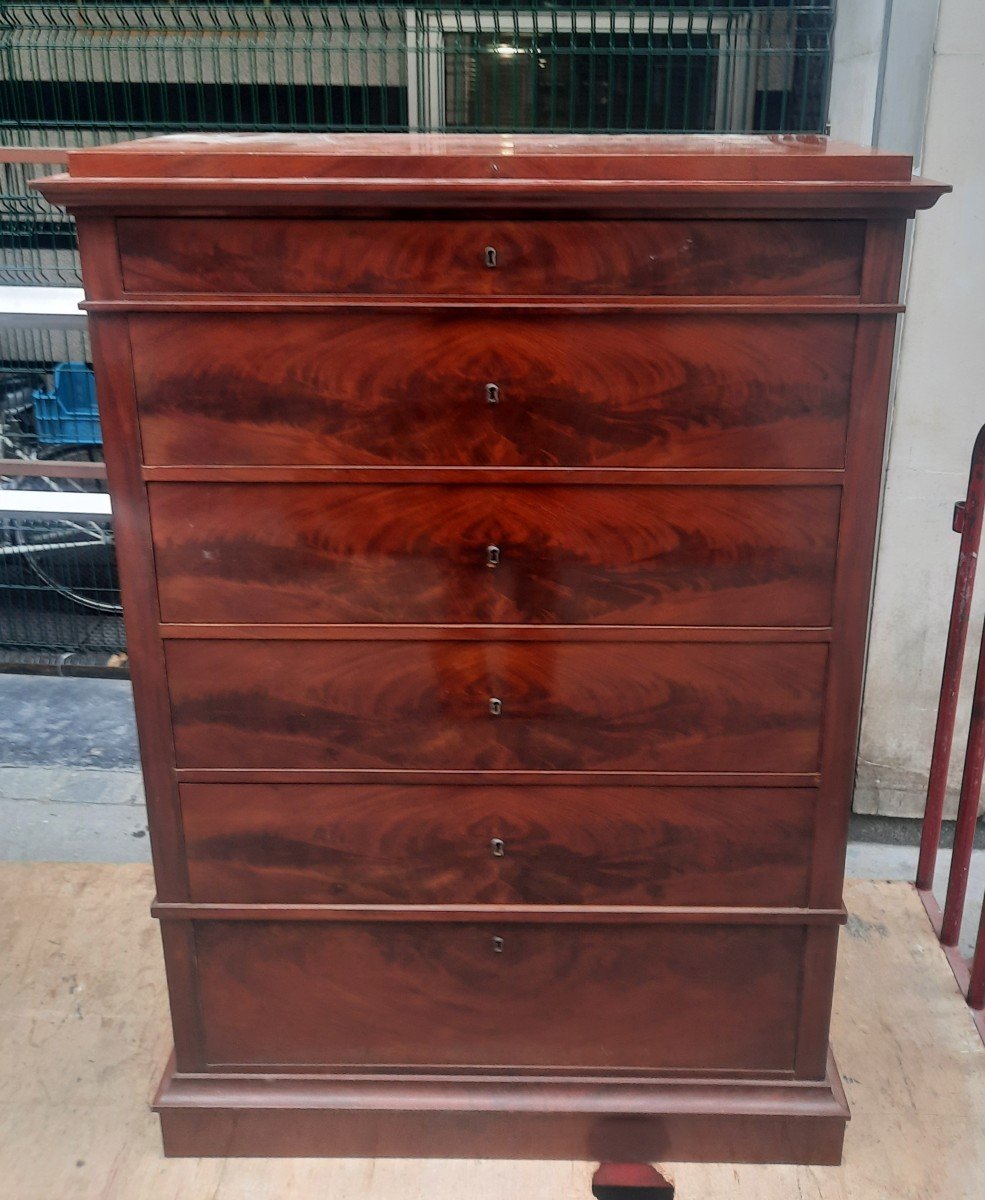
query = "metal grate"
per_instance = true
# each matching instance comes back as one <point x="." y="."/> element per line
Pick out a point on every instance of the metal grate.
<point x="75" y="74"/>
<point x="37" y="241"/>
<point x="58" y="588"/>
<point x="58" y="582"/>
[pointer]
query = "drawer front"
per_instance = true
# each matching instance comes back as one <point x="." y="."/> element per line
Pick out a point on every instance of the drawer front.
<point x="436" y="258"/>
<point x="564" y="706"/>
<point x="646" y="996"/>
<point x="285" y="553"/>
<point x="367" y="389"/>
<point x="384" y="844"/>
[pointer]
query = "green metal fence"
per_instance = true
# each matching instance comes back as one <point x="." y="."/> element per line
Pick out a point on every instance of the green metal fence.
<point x="75" y="73"/>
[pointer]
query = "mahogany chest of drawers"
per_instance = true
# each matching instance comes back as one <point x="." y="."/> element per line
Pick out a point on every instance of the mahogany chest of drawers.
<point x="495" y="518"/>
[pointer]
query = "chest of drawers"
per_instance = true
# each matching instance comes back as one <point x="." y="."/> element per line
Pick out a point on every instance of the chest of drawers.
<point x="495" y="519"/>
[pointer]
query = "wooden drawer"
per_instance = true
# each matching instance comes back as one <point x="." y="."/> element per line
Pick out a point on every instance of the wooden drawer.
<point x="566" y="706"/>
<point x="628" y="555"/>
<point x="385" y="844"/>
<point x="654" y="997"/>
<point x="617" y="389"/>
<point x="437" y="258"/>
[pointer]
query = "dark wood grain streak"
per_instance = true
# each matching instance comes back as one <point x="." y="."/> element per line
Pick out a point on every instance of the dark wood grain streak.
<point x="442" y="258"/>
<point x="386" y="844"/>
<point x="600" y="391"/>
<point x="279" y="993"/>
<point x="574" y="706"/>
<point x="589" y="555"/>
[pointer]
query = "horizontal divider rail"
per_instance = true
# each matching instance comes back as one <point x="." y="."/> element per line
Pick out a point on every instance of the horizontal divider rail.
<point x="502" y="913"/>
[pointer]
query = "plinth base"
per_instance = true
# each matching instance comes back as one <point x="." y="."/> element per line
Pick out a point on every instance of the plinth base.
<point x="589" y="1118"/>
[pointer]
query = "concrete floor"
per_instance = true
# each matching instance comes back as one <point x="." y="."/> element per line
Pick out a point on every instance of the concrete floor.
<point x="70" y="788"/>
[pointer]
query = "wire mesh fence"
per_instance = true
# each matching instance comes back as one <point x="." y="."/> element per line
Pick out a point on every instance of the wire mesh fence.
<point x="59" y="592"/>
<point x="77" y="74"/>
<point x="58" y="587"/>
<point x="81" y="73"/>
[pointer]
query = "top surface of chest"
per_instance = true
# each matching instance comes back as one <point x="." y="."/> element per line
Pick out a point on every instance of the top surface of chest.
<point x="587" y="173"/>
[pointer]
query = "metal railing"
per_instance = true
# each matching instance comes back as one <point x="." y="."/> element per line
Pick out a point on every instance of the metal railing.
<point x="82" y="72"/>
<point x="968" y="521"/>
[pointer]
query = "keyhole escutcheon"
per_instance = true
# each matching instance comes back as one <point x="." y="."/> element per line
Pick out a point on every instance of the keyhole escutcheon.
<point x="498" y="847"/>
<point x="495" y="707"/>
<point x="490" y="256"/>
<point x="497" y="945"/>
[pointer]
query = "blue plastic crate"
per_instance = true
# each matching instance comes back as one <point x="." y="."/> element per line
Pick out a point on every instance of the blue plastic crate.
<point x="69" y="416"/>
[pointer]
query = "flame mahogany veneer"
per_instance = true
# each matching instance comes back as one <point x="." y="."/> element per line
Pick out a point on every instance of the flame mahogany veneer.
<point x="495" y="520"/>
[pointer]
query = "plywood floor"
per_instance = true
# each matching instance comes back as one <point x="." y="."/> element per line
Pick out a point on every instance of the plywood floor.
<point x="83" y="1038"/>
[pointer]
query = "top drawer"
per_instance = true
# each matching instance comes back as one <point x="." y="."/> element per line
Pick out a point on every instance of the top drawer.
<point x="491" y="258"/>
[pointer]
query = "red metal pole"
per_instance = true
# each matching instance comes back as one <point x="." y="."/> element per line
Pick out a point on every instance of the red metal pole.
<point x="968" y="522"/>
<point x="964" y="830"/>
<point x="976" y="986"/>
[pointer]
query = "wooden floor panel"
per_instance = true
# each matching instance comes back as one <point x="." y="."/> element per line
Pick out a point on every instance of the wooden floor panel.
<point x="83" y="1023"/>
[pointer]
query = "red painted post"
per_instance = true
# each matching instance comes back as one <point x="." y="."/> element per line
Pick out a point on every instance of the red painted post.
<point x="964" y="830"/>
<point x="968" y="522"/>
<point x="976" y="985"/>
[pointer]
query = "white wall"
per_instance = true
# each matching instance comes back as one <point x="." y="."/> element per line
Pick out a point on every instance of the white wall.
<point x="855" y="73"/>
<point x="928" y="100"/>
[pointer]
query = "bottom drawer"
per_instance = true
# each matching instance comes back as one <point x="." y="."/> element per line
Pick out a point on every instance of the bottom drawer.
<point x="648" y="996"/>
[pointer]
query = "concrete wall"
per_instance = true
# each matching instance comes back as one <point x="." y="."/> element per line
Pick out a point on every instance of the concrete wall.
<point x="923" y="92"/>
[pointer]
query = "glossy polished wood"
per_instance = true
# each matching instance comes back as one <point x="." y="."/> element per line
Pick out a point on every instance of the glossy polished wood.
<point x="515" y="155"/>
<point x="663" y="406"/>
<point x="619" y="390"/>
<point x="290" y="995"/>
<point x="575" y="706"/>
<point x="578" y="555"/>
<point x="386" y="844"/>
<point x="442" y="258"/>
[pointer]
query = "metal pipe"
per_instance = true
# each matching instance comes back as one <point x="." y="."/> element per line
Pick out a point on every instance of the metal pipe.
<point x="976" y="985"/>
<point x="968" y="517"/>
<point x="964" y="830"/>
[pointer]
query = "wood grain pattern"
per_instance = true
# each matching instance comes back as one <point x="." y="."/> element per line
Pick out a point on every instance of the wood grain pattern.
<point x="286" y="994"/>
<point x="615" y="390"/>
<point x="619" y="555"/>
<point x="566" y="706"/>
<point x="685" y="258"/>
<point x="373" y="844"/>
